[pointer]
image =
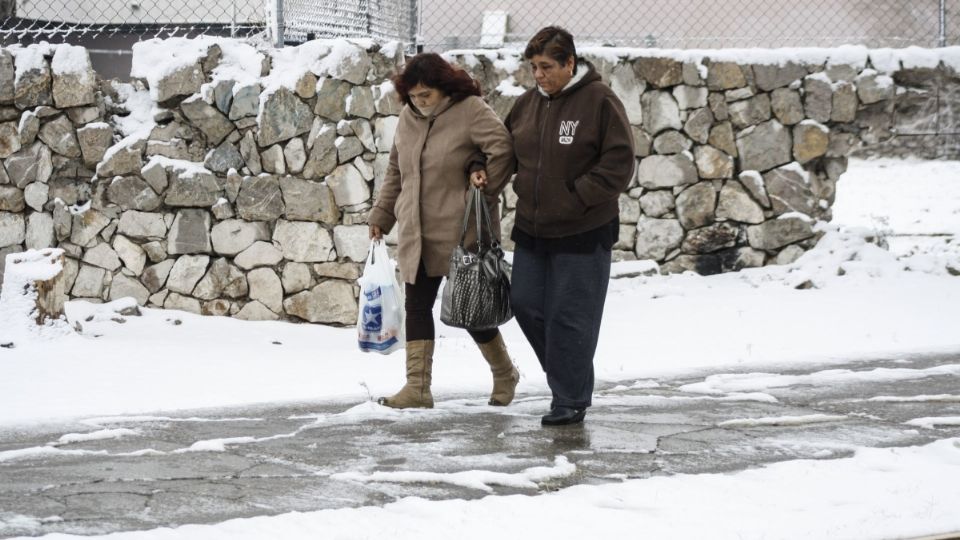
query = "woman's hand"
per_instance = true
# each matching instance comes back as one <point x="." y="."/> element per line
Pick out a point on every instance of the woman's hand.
<point x="479" y="178"/>
<point x="375" y="232"/>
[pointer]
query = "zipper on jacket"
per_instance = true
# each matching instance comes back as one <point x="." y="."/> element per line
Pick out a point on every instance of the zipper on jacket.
<point x="536" y="185"/>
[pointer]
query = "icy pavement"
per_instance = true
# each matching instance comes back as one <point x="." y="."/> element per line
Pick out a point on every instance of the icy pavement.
<point x="127" y="473"/>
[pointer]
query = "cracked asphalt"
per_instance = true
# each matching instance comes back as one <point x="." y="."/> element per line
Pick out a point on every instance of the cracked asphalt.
<point x="212" y="465"/>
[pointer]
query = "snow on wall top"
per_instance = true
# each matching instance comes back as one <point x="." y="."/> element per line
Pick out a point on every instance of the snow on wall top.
<point x="70" y="60"/>
<point x="29" y="58"/>
<point x="883" y="60"/>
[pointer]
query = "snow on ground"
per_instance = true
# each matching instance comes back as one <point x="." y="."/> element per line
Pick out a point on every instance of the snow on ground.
<point x="911" y="197"/>
<point x="877" y="493"/>
<point x="882" y="304"/>
<point x="857" y="300"/>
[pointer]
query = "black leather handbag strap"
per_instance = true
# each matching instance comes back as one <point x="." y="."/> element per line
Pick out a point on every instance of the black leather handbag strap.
<point x="476" y="201"/>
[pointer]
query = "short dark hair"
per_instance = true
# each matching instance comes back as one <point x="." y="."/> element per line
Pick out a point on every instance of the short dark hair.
<point x="431" y="70"/>
<point x="554" y="42"/>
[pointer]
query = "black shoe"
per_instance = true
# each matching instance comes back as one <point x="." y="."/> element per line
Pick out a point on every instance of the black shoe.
<point x="562" y="416"/>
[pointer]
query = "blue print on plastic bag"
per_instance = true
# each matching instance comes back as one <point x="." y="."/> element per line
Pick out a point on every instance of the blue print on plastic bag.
<point x="372" y="311"/>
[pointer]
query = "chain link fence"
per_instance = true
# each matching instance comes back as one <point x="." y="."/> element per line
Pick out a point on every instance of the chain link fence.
<point x="277" y="21"/>
<point x="79" y="21"/>
<point x="688" y="24"/>
<point x="452" y="24"/>
<point x="382" y="20"/>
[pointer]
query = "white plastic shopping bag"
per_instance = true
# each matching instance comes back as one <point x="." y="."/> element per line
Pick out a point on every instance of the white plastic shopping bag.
<point x="380" y="321"/>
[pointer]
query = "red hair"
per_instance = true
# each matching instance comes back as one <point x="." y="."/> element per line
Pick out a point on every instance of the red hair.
<point x="432" y="71"/>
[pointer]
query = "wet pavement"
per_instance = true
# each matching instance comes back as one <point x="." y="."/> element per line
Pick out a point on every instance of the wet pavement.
<point x="213" y="465"/>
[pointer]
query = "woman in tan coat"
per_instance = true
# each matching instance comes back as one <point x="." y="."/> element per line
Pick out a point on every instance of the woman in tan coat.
<point x="443" y="127"/>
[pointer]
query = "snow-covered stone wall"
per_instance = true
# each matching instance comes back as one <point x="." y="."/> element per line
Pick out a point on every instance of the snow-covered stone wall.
<point x="228" y="180"/>
<point x="739" y="151"/>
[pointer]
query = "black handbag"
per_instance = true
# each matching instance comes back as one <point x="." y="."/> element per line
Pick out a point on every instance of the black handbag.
<point x="476" y="295"/>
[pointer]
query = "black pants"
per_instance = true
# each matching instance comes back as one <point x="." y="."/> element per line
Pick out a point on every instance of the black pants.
<point x="558" y="301"/>
<point x="420" y="298"/>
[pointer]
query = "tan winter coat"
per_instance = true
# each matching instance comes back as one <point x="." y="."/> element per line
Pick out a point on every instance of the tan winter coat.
<point x="426" y="184"/>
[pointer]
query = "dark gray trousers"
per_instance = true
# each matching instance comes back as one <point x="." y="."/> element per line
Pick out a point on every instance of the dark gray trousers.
<point x="558" y="301"/>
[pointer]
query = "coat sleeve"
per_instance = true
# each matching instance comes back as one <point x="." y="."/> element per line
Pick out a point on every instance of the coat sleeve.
<point x="493" y="140"/>
<point x="611" y="175"/>
<point x="383" y="214"/>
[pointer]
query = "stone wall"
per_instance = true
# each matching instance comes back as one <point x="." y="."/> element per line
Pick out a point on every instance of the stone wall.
<point x="736" y="160"/>
<point x="927" y="116"/>
<point x="227" y="199"/>
<point x="248" y="196"/>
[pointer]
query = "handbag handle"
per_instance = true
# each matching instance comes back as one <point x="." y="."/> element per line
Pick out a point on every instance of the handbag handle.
<point x="477" y="201"/>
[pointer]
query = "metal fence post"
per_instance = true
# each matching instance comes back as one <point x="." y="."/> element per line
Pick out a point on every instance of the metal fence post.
<point x="943" y="23"/>
<point x="8" y="9"/>
<point x="278" y="23"/>
<point x="417" y="26"/>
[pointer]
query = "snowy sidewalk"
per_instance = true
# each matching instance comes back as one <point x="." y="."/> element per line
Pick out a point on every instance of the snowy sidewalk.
<point x="126" y="473"/>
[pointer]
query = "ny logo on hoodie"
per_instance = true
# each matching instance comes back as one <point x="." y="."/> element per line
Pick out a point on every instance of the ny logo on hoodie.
<point x="568" y="128"/>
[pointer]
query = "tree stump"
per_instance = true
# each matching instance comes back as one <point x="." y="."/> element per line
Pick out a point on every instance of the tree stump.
<point x="33" y="284"/>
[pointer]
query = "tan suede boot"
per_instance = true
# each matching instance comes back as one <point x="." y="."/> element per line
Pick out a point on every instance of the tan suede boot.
<point x="505" y="374"/>
<point x="416" y="393"/>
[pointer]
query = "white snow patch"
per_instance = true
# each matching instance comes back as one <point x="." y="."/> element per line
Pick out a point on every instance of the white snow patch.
<point x="796" y="215"/>
<point x="849" y="55"/>
<point x="29" y="58"/>
<point x="97" y="421"/>
<point x="215" y="445"/>
<point x="509" y="87"/>
<point x="18" y="297"/>
<point x="72" y="60"/>
<point x="88" y="312"/>
<point x="931" y="422"/>
<point x="480" y="480"/>
<point x="937" y="398"/>
<point x="44" y="452"/>
<point x="182" y="167"/>
<point x="79" y="209"/>
<point x="815" y="124"/>
<point x="156" y="58"/>
<point x="509" y="63"/>
<point x="781" y="421"/>
<point x="340" y="53"/>
<point x="98" y="435"/>
<point x="820" y="76"/>
<point x="744" y="382"/>
<point x="136" y="126"/>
